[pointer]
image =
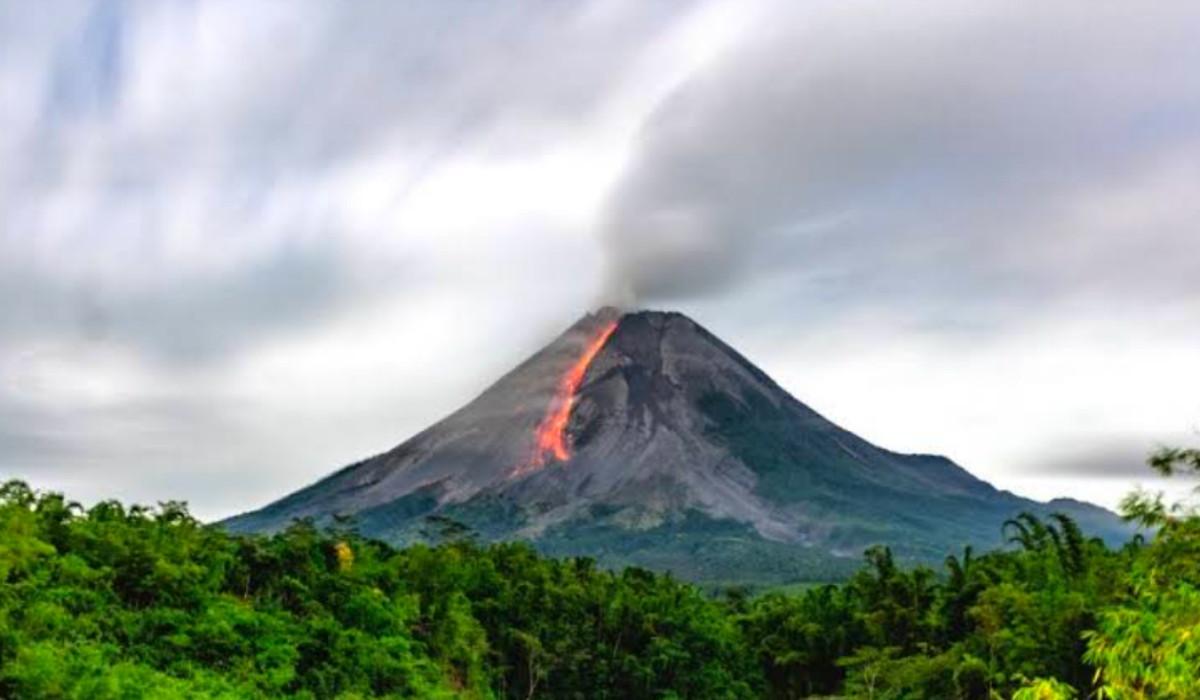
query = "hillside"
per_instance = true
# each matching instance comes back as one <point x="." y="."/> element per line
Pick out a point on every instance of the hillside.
<point x="644" y="439"/>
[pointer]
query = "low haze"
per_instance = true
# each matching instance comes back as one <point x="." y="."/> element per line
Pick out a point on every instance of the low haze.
<point x="245" y="243"/>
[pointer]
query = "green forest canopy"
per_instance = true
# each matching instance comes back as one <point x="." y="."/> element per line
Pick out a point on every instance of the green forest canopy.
<point x="117" y="602"/>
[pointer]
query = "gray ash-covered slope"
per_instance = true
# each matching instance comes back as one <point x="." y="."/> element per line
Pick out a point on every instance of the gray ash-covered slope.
<point x="683" y="456"/>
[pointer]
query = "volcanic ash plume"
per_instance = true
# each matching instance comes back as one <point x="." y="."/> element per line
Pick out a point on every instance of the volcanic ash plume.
<point x="656" y="254"/>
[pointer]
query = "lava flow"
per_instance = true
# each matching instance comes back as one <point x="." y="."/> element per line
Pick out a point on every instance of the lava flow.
<point x="551" y="435"/>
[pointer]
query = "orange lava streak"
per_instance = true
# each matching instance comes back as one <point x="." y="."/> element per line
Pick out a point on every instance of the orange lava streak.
<point x="552" y="433"/>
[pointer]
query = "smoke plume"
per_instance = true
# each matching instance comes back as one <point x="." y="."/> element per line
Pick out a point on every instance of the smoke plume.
<point x="976" y="152"/>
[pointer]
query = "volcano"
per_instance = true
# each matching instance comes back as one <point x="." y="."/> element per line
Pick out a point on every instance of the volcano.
<point x="641" y="438"/>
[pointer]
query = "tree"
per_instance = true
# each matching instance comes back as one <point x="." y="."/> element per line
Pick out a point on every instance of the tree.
<point x="1045" y="689"/>
<point x="1149" y="645"/>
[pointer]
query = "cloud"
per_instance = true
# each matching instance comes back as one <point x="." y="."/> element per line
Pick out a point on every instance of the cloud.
<point x="242" y="243"/>
<point x="1117" y="459"/>
<point x="193" y="194"/>
<point x="184" y="179"/>
<point x="896" y="154"/>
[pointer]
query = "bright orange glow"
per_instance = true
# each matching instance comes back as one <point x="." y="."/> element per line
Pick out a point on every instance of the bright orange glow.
<point x="551" y="435"/>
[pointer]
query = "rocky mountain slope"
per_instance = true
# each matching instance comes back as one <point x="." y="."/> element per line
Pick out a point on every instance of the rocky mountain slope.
<point x="642" y="438"/>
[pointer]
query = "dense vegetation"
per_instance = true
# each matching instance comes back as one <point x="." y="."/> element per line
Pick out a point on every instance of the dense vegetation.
<point x="116" y="602"/>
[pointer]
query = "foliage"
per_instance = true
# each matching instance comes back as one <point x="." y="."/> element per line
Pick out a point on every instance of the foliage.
<point x="1045" y="689"/>
<point x="138" y="602"/>
<point x="1148" y="646"/>
<point x="135" y="602"/>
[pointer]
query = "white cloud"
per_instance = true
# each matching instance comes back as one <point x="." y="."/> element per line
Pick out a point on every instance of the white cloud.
<point x="268" y="238"/>
<point x="259" y="240"/>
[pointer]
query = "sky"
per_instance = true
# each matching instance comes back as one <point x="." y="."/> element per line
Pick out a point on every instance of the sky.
<point x="246" y="242"/>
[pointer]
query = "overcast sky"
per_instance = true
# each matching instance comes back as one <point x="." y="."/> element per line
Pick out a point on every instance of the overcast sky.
<point x="245" y="242"/>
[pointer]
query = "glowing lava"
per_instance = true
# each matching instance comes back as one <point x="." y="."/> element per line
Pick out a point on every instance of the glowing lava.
<point x="551" y="435"/>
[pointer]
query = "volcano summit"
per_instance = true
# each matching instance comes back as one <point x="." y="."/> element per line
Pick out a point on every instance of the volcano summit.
<point x="641" y="438"/>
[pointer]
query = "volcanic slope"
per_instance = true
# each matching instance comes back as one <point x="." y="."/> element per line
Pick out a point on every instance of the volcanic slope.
<point x="643" y="439"/>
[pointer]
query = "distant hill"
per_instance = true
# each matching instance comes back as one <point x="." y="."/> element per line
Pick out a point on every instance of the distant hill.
<point x="643" y="439"/>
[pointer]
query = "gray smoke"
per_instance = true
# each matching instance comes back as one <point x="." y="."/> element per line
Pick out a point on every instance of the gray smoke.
<point x="995" y="151"/>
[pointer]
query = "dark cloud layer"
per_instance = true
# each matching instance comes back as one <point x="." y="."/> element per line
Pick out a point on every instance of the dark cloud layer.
<point x="1119" y="459"/>
<point x="190" y="318"/>
<point x="902" y="152"/>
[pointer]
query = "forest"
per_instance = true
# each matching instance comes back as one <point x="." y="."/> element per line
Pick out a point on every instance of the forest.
<point x="147" y="602"/>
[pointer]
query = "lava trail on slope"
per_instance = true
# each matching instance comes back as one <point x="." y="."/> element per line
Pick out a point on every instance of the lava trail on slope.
<point x="550" y="438"/>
